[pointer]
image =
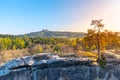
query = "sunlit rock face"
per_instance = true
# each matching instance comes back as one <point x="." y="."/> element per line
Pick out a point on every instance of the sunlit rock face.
<point x="52" y="67"/>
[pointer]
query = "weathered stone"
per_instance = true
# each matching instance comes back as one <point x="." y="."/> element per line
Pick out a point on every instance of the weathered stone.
<point x="52" y="67"/>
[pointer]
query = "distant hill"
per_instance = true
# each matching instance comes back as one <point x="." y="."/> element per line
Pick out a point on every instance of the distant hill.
<point x="48" y="33"/>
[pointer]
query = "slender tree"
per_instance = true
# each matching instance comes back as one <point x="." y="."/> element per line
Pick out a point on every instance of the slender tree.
<point x="98" y="25"/>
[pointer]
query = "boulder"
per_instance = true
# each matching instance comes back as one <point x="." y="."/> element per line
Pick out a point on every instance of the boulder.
<point x="52" y="67"/>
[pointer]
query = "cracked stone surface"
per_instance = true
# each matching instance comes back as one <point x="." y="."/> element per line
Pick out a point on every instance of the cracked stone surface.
<point x="52" y="67"/>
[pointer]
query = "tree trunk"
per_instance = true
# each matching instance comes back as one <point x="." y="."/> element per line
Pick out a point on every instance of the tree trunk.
<point x="99" y="54"/>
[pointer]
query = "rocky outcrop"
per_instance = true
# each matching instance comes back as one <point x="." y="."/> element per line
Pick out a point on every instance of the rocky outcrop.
<point x="52" y="67"/>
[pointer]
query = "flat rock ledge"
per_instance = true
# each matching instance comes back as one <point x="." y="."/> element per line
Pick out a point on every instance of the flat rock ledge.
<point x="46" y="66"/>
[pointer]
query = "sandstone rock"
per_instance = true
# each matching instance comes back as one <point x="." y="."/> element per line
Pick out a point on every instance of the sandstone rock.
<point x="52" y="67"/>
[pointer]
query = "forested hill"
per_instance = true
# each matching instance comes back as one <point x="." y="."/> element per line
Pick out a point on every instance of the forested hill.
<point x="47" y="33"/>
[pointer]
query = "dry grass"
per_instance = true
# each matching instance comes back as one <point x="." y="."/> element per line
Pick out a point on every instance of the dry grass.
<point x="116" y="51"/>
<point x="86" y="54"/>
<point x="8" y="55"/>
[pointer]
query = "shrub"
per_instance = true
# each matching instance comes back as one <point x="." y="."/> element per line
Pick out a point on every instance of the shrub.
<point x="36" y="49"/>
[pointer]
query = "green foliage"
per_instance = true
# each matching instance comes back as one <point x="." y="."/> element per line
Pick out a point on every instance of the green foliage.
<point x="20" y="44"/>
<point x="56" y="49"/>
<point x="33" y="45"/>
<point x="102" y="63"/>
<point x="36" y="49"/>
<point x="11" y="43"/>
<point x="108" y="40"/>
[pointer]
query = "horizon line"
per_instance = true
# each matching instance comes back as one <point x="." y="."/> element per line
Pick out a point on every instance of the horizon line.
<point x="48" y="30"/>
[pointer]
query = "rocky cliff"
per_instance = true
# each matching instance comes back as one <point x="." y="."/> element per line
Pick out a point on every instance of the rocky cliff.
<point x="52" y="67"/>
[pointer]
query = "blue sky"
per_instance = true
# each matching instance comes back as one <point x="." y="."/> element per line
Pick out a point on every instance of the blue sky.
<point x="24" y="16"/>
